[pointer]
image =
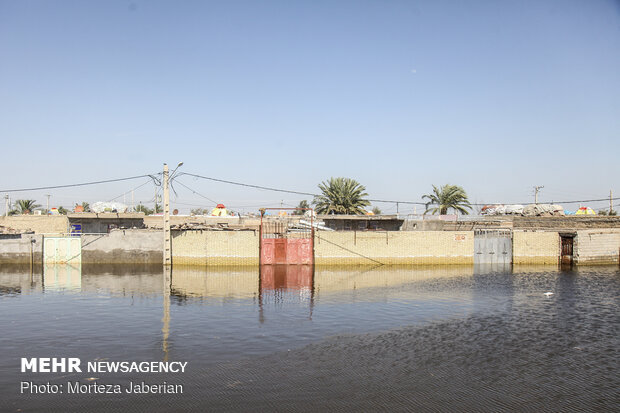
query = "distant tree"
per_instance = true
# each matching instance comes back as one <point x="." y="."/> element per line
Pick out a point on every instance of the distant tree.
<point x="199" y="211"/>
<point x="158" y="209"/>
<point x="145" y="209"/>
<point x="376" y="211"/>
<point x="606" y="212"/>
<point x="86" y="206"/>
<point x="447" y="197"/>
<point x="302" y="204"/>
<point x="25" y="206"/>
<point x="62" y="210"/>
<point x="341" y="196"/>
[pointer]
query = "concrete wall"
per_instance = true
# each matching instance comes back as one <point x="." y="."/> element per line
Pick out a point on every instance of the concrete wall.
<point x="601" y="246"/>
<point x="416" y="247"/>
<point x="215" y="247"/>
<point x="128" y="246"/>
<point x="40" y="224"/>
<point x="535" y="247"/>
<point x="17" y="250"/>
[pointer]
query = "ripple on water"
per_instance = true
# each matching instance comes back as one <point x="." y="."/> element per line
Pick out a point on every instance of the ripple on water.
<point x="471" y="342"/>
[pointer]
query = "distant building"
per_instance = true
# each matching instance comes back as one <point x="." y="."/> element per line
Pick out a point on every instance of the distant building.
<point x="362" y="222"/>
<point x="93" y="223"/>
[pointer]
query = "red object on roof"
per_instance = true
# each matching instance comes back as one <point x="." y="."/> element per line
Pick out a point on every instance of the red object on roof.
<point x="220" y="206"/>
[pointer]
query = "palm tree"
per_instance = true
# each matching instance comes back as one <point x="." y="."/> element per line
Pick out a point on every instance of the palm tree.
<point x="86" y="206"/>
<point x="341" y="196"/>
<point x="25" y="206"/>
<point x="302" y="204"/>
<point x="446" y="197"/>
<point x="145" y="209"/>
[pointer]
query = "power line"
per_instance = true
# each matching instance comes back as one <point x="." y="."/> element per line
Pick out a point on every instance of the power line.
<point x="195" y="192"/>
<point x="248" y="185"/>
<point x="73" y="185"/>
<point x="286" y="190"/>
<point x="371" y="200"/>
<point x="125" y="193"/>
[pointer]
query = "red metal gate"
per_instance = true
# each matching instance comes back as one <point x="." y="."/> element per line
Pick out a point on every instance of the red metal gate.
<point x="286" y="239"/>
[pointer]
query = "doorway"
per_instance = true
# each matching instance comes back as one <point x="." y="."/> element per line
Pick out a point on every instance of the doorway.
<point x="567" y="248"/>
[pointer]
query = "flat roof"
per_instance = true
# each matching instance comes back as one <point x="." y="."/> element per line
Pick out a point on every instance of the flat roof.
<point x="106" y="215"/>
<point x="361" y="217"/>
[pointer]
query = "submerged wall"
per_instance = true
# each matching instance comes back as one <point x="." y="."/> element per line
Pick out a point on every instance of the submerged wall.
<point x="215" y="247"/>
<point x="415" y="247"/>
<point x="535" y="247"/>
<point x="21" y="250"/>
<point x="597" y="246"/>
<point x="128" y="246"/>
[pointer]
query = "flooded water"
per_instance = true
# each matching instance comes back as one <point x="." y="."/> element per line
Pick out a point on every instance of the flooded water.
<point x="297" y="339"/>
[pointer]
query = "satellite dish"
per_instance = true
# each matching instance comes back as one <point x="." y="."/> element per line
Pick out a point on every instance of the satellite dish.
<point x="175" y="212"/>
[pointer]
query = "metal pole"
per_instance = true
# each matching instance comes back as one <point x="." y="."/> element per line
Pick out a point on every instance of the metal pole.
<point x="611" y="201"/>
<point x="536" y="189"/>
<point x="167" y="254"/>
<point x="6" y="202"/>
<point x="47" y="212"/>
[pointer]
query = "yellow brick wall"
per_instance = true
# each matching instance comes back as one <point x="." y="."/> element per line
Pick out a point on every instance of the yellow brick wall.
<point x="535" y="247"/>
<point x="215" y="248"/>
<point x="600" y="246"/>
<point x="40" y="224"/>
<point x="398" y="247"/>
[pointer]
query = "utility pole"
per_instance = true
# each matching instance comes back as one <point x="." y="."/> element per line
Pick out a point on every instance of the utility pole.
<point x="132" y="208"/>
<point x="47" y="211"/>
<point x="536" y="189"/>
<point x="611" y="201"/>
<point x="6" y="205"/>
<point x="167" y="244"/>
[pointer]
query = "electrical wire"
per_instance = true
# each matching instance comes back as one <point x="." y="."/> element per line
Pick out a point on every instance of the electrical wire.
<point x="80" y="184"/>
<point x="153" y="177"/>
<point x="194" y="191"/>
<point x="247" y="185"/>
<point x="125" y="193"/>
<point x="371" y="200"/>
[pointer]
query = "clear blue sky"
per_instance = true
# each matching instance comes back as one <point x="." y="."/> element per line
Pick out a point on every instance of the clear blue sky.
<point x="495" y="96"/>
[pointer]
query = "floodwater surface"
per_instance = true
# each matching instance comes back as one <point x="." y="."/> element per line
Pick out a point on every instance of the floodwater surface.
<point x="302" y="339"/>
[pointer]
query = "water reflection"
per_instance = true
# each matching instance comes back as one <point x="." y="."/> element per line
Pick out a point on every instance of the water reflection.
<point x="371" y="336"/>
<point x="58" y="277"/>
<point x="284" y="283"/>
<point x="166" y="293"/>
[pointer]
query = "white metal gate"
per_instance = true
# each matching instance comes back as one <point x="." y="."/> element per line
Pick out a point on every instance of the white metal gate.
<point x="62" y="250"/>
<point x="492" y="246"/>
